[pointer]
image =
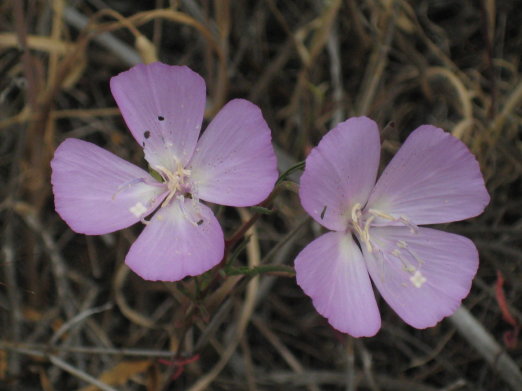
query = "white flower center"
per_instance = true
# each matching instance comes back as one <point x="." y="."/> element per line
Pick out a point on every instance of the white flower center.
<point x="176" y="184"/>
<point x="179" y="186"/>
<point x="177" y="181"/>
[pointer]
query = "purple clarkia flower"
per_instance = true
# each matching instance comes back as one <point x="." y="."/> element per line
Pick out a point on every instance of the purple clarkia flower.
<point x="232" y="163"/>
<point x="422" y="273"/>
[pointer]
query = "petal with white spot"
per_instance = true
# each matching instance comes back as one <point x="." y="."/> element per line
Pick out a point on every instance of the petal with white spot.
<point x="423" y="276"/>
<point x="96" y="192"/>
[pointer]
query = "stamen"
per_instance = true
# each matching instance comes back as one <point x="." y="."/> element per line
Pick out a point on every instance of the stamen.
<point x="363" y="233"/>
<point x="177" y="181"/>
<point x="167" y="199"/>
<point x="419" y="260"/>
<point x="362" y="223"/>
<point x="401" y="219"/>
<point x="383" y="215"/>
<point x="413" y="228"/>
<point x="407" y="267"/>
<point x="367" y="227"/>
<point x="356" y="213"/>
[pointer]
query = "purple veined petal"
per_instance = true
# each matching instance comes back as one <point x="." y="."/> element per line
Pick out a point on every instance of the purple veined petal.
<point x="234" y="162"/>
<point x="331" y="270"/>
<point x="96" y="192"/>
<point x="432" y="179"/>
<point x="340" y="172"/>
<point x="182" y="239"/>
<point x="163" y="107"/>
<point x="423" y="276"/>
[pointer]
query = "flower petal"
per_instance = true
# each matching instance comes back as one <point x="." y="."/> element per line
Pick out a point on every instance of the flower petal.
<point x="432" y="179"/>
<point x="163" y="107"/>
<point x="331" y="270"/>
<point x="96" y="192"/>
<point x="341" y="172"/>
<point x="182" y="239"/>
<point x="234" y="162"/>
<point x="423" y="276"/>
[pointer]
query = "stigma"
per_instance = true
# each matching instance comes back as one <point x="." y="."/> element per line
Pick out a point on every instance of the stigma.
<point x="418" y="279"/>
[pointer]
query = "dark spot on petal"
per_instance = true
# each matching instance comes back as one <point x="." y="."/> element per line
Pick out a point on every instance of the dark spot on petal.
<point x="323" y="212"/>
<point x="160" y="118"/>
<point x="143" y="144"/>
<point x="199" y="222"/>
<point x="146" y="134"/>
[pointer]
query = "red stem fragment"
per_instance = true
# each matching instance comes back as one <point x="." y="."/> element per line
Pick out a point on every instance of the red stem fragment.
<point x="510" y="337"/>
<point x="179" y="364"/>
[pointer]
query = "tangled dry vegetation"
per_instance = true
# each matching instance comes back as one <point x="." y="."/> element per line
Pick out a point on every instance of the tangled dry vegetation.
<point x="73" y="317"/>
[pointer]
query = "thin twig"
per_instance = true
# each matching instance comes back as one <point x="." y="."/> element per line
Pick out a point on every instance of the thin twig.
<point x="80" y="374"/>
<point x="24" y="348"/>
<point x="126" y="53"/>
<point x="336" y="76"/>
<point x="244" y="317"/>
<point x="77" y="319"/>
<point x="478" y="337"/>
<point x="63" y="366"/>
<point x="377" y="64"/>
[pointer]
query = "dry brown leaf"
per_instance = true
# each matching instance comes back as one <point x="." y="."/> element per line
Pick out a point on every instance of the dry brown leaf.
<point x="121" y="373"/>
<point x="32" y="314"/>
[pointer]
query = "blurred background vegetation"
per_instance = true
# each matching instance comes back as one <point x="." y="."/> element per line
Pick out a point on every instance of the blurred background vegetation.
<point x="73" y="317"/>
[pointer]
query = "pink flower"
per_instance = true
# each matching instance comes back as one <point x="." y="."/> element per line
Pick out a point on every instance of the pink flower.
<point x="232" y="163"/>
<point x="422" y="273"/>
